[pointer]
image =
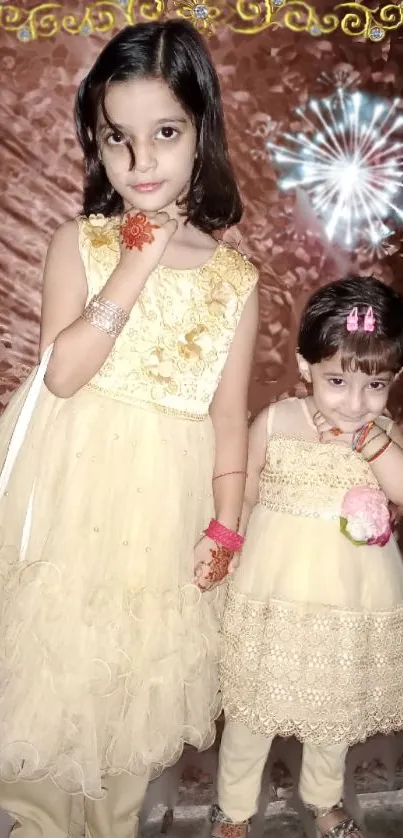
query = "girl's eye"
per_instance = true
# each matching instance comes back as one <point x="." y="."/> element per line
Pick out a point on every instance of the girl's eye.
<point x="115" y="138"/>
<point x="167" y="132"/>
<point x="377" y="385"/>
<point x="336" y="382"/>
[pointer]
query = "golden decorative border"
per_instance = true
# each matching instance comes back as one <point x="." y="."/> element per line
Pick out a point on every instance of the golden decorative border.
<point x="246" y="17"/>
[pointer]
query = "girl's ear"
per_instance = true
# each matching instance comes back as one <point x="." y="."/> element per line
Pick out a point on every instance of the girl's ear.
<point x="304" y="368"/>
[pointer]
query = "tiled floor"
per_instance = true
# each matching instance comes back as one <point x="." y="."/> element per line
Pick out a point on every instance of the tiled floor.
<point x="383" y="819"/>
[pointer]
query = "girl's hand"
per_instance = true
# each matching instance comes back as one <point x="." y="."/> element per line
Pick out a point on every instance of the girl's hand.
<point x="143" y="239"/>
<point x="212" y="564"/>
<point x="396" y="514"/>
<point x="328" y="433"/>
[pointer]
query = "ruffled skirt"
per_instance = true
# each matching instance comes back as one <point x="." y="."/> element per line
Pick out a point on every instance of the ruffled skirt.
<point x="108" y="651"/>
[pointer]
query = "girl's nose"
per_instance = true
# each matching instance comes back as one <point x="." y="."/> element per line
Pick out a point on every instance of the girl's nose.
<point x="144" y="156"/>
<point x="356" y="401"/>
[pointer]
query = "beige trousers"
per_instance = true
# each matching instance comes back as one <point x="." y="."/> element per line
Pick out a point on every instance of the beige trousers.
<point x="42" y="810"/>
<point x="242" y="759"/>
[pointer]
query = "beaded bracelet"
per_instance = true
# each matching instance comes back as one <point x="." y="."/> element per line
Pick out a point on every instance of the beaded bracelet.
<point x="360" y="437"/>
<point x="227" y="538"/>
<point x="105" y="316"/>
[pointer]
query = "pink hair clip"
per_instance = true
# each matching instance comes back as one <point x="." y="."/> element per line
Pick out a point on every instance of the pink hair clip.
<point x="352" y="320"/>
<point x="369" y="320"/>
<point x="368" y="324"/>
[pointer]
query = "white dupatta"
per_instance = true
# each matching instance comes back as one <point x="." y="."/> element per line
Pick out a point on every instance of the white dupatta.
<point x="17" y="439"/>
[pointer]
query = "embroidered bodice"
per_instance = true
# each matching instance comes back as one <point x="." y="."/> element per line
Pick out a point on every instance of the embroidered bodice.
<point x="172" y="351"/>
<point x="309" y="478"/>
<point x="306" y="477"/>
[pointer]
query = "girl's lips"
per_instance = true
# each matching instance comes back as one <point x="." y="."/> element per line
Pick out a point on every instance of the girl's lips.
<point x="147" y="187"/>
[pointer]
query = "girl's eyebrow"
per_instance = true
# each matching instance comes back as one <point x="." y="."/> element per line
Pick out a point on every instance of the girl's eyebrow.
<point x="334" y="373"/>
<point x="127" y="129"/>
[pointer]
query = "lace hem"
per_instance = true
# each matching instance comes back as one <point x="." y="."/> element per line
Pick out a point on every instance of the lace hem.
<point x="316" y="672"/>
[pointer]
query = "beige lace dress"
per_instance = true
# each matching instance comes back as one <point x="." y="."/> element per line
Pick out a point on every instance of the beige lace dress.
<point x="313" y="625"/>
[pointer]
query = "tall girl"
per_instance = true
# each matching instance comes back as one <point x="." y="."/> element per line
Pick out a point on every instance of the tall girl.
<point x="134" y="450"/>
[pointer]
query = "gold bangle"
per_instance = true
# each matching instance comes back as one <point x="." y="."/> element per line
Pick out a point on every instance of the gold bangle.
<point x="105" y="316"/>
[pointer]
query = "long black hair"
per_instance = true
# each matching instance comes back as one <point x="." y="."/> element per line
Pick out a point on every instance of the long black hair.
<point x="173" y="51"/>
<point x="323" y="331"/>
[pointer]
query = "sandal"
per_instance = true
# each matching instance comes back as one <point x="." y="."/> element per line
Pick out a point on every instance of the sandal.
<point x="344" y="827"/>
<point x="223" y="827"/>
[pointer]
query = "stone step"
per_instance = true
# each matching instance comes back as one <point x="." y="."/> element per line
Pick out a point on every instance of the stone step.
<point x="382" y="812"/>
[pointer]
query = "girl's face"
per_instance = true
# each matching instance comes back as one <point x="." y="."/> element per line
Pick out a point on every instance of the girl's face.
<point x="163" y="139"/>
<point x="346" y="399"/>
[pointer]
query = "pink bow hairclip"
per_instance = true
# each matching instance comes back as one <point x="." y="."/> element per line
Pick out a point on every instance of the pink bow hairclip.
<point x="369" y="321"/>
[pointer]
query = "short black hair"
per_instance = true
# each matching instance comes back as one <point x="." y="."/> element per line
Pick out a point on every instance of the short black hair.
<point x="323" y="329"/>
<point x="174" y="51"/>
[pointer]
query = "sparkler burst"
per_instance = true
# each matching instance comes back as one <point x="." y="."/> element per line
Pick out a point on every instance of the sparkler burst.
<point x="349" y="161"/>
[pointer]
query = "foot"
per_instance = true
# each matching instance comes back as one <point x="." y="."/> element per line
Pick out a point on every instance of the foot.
<point x="336" y="823"/>
<point x="223" y="827"/>
<point x="229" y="830"/>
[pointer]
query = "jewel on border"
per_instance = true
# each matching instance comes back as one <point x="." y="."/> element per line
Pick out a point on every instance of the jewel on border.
<point x="201" y="11"/>
<point x="24" y="35"/>
<point x="376" y="33"/>
<point x="200" y="14"/>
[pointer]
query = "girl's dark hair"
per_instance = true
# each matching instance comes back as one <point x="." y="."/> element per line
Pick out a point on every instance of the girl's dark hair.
<point x="173" y="51"/>
<point x="323" y="330"/>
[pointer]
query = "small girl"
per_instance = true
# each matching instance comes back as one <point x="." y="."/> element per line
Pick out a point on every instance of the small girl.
<point x="108" y="647"/>
<point x="313" y="625"/>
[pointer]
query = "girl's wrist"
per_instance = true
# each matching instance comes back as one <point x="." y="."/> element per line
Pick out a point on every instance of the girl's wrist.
<point x="228" y="520"/>
<point x="376" y="443"/>
<point x="224" y="536"/>
<point x="361" y="436"/>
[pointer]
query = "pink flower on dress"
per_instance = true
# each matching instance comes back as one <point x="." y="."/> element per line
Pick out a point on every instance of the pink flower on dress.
<point x="365" y="516"/>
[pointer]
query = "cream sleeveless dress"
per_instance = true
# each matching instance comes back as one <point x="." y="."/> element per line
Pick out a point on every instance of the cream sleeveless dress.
<point x="313" y="625"/>
<point x="108" y="651"/>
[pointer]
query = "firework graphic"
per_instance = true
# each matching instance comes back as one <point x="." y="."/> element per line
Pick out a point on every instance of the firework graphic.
<point x="348" y="159"/>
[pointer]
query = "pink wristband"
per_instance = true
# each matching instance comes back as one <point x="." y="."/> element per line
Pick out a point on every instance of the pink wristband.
<point x="229" y="539"/>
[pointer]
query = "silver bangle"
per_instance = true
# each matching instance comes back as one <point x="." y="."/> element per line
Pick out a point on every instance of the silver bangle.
<point x="105" y="316"/>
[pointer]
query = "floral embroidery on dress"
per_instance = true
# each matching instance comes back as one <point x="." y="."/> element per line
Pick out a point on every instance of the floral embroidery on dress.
<point x="174" y="347"/>
<point x="101" y="232"/>
<point x="293" y="483"/>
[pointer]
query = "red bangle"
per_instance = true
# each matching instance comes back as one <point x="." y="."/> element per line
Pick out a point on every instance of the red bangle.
<point x="229" y="539"/>
<point x="380" y="452"/>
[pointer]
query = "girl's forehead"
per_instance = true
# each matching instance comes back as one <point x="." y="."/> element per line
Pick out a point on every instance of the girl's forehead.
<point x="334" y="365"/>
<point x="148" y="97"/>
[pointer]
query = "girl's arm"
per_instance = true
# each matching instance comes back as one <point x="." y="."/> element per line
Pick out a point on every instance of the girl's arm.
<point x="229" y="414"/>
<point x="80" y="349"/>
<point x="256" y="461"/>
<point x="388" y="467"/>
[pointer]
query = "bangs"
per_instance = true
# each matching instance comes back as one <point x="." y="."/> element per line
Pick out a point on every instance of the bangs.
<point x="366" y="353"/>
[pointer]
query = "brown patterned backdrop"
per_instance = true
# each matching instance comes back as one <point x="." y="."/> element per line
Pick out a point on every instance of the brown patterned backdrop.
<point x="264" y="77"/>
